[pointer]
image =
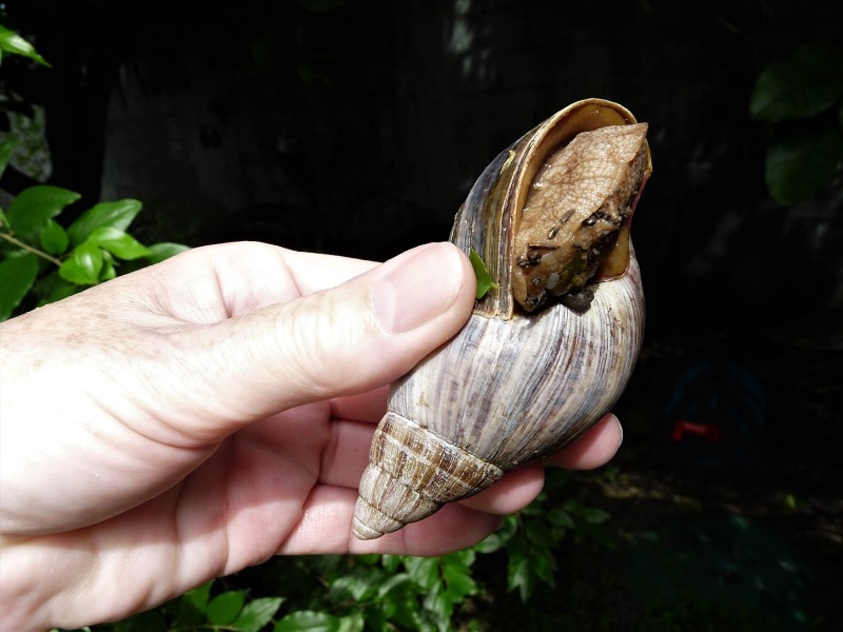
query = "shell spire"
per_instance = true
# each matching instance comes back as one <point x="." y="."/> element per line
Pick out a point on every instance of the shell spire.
<point x="546" y="354"/>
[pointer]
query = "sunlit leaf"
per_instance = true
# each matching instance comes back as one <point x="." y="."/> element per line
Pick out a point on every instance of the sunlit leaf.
<point x="801" y="164"/>
<point x="11" y="42"/>
<point x="83" y="266"/>
<point x="53" y="238"/>
<point x="17" y="274"/>
<point x="118" y="243"/>
<point x="256" y="614"/>
<point x="35" y="205"/>
<point x="309" y="620"/>
<point x="119" y="215"/>
<point x="190" y="609"/>
<point x="224" y="608"/>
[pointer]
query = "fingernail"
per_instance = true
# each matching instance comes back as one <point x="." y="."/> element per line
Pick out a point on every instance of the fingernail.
<point x="419" y="285"/>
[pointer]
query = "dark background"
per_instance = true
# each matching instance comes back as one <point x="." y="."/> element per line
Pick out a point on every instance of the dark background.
<point x="358" y="130"/>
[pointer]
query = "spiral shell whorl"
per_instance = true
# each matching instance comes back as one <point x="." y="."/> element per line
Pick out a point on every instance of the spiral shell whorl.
<point x="412" y="473"/>
<point x="512" y="387"/>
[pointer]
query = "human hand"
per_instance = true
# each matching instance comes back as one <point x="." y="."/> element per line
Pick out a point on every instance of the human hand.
<point x="201" y="415"/>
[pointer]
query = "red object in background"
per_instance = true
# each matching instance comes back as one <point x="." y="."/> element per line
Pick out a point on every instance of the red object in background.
<point x="710" y="432"/>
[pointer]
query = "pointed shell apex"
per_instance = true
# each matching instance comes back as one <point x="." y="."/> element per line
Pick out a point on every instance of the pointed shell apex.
<point x="412" y="472"/>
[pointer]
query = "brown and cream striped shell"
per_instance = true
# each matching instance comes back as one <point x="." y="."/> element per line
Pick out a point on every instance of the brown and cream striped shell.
<point x="527" y="374"/>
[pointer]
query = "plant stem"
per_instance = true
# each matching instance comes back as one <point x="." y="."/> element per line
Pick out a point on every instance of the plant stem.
<point x="14" y="240"/>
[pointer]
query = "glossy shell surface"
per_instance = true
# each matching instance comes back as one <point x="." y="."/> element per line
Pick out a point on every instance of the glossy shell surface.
<point x="512" y="386"/>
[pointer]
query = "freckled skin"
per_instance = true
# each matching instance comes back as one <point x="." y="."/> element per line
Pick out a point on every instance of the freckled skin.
<point x="574" y="211"/>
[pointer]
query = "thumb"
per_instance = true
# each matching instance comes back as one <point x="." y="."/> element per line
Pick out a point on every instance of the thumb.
<point x="362" y="334"/>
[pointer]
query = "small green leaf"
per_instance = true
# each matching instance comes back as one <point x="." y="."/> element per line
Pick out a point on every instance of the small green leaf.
<point x="423" y="570"/>
<point x="395" y="582"/>
<point x="118" y="243"/>
<point x="119" y="215"/>
<point x="224" y="608"/>
<point x="11" y="42"/>
<point x="256" y="614"/>
<point x="83" y="266"/>
<point x="17" y="274"/>
<point x="458" y="578"/>
<point x="484" y="279"/>
<point x="310" y="620"/>
<point x="53" y="238"/>
<point x="190" y="610"/>
<point x="35" y="205"/>
<point x="358" y="585"/>
<point x="354" y="622"/>
<point x="801" y="164"/>
<point x="108" y="270"/>
<point x="519" y="576"/>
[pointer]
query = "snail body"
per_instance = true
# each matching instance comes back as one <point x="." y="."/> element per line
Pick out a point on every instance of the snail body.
<point x="548" y="351"/>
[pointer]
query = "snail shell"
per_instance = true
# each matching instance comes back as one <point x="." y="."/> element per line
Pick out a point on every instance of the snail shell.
<point x="527" y="374"/>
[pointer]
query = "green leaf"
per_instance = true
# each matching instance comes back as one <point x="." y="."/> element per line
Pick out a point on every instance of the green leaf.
<point x="119" y="215"/>
<point x="457" y="576"/>
<point x="440" y="604"/>
<point x="7" y="146"/>
<point x="108" y="270"/>
<point x="354" y="622"/>
<point x="83" y="266"/>
<point x="519" y="575"/>
<point x="224" y="608"/>
<point x="310" y="620"/>
<point x="394" y="583"/>
<point x="190" y="610"/>
<point x="53" y="238"/>
<point x="257" y="613"/>
<point x="11" y="42"/>
<point x="807" y="83"/>
<point x="358" y="585"/>
<point x="35" y="205"/>
<point x="118" y="243"/>
<point x="484" y="279"/>
<point x="800" y="165"/>
<point x="423" y="570"/>
<point x="17" y="274"/>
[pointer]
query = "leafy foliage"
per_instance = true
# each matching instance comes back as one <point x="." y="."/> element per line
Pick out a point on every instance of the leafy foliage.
<point x="801" y="97"/>
<point x="40" y="260"/>
<point x="332" y="593"/>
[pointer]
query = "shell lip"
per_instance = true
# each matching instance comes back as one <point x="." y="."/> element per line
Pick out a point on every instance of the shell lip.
<point x="516" y="167"/>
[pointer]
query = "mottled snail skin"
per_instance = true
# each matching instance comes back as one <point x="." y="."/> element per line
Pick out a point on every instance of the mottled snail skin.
<point x="565" y="230"/>
<point x="512" y="386"/>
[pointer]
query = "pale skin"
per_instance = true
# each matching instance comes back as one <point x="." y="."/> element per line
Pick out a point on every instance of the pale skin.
<point x="202" y="415"/>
